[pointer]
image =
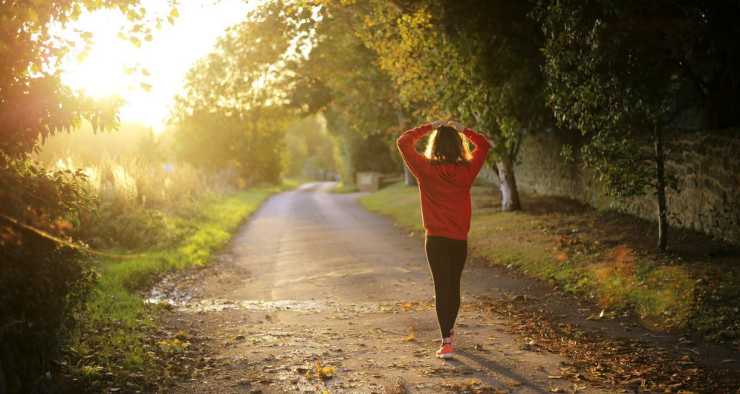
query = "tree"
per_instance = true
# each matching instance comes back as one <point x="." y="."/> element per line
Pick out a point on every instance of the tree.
<point x="235" y="97"/>
<point x="207" y="140"/>
<point x="340" y="79"/>
<point x="623" y="73"/>
<point x="474" y="60"/>
<point x="293" y="60"/>
<point x="309" y="149"/>
<point x="33" y="102"/>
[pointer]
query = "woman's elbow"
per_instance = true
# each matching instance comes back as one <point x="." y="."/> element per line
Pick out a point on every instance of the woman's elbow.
<point x="402" y="143"/>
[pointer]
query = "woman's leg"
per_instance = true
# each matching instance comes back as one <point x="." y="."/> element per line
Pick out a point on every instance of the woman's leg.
<point x="458" y="252"/>
<point x="446" y="259"/>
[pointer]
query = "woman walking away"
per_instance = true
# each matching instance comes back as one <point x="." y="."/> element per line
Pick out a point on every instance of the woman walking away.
<point x="445" y="174"/>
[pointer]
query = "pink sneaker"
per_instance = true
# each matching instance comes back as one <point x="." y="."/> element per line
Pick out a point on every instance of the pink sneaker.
<point x="446" y="350"/>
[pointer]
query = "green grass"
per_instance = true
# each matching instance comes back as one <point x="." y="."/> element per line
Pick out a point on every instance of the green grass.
<point x="115" y="322"/>
<point x="661" y="290"/>
<point x="399" y="202"/>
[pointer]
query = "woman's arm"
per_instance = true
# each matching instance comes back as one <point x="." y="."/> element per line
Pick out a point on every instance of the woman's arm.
<point x="407" y="146"/>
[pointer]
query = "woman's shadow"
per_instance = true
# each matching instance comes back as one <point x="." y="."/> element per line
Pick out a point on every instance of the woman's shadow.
<point x="464" y="358"/>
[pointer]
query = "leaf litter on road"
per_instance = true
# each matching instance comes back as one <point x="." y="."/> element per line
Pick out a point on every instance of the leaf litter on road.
<point x="606" y="362"/>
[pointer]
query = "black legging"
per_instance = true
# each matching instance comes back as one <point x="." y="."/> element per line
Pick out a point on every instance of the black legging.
<point x="446" y="259"/>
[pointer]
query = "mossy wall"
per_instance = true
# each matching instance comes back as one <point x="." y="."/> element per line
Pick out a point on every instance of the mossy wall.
<point x="707" y="165"/>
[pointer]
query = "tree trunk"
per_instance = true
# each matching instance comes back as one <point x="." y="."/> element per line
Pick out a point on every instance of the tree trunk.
<point x="408" y="177"/>
<point x="660" y="190"/>
<point x="507" y="185"/>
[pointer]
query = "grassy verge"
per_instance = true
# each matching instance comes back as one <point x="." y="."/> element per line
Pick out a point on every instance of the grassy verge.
<point x="113" y="338"/>
<point x="600" y="255"/>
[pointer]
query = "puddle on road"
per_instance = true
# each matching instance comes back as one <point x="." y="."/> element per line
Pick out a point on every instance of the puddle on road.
<point x="167" y="293"/>
<point x="218" y="305"/>
<point x="187" y="304"/>
<point x="170" y="296"/>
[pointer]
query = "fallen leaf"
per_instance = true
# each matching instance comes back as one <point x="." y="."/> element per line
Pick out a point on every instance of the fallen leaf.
<point x="412" y="335"/>
<point x="324" y="372"/>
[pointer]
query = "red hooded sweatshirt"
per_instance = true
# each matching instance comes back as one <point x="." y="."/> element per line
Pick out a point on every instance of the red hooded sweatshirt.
<point x="444" y="188"/>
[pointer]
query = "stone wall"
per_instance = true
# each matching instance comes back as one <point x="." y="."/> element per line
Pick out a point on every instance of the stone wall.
<point x="707" y="166"/>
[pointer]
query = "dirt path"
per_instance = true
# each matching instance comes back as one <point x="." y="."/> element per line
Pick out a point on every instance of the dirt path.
<point x="315" y="293"/>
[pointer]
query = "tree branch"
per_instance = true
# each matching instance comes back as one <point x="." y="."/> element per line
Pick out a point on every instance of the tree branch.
<point x="62" y="242"/>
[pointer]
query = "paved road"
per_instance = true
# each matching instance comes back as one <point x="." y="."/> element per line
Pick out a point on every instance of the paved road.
<point x="313" y="277"/>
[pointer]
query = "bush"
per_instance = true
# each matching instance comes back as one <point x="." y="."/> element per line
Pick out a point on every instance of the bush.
<point x="43" y="278"/>
<point x="132" y="199"/>
<point x="122" y="206"/>
<point x="131" y="228"/>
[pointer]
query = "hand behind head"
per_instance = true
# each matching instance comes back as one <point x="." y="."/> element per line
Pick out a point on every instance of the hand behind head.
<point x="438" y="123"/>
<point x="455" y="125"/>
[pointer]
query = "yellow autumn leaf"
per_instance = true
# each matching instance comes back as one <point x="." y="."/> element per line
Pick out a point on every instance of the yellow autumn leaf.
<point x="324" y="372"/>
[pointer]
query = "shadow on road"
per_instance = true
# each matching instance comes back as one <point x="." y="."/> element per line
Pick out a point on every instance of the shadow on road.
<point x="495" y="369"/>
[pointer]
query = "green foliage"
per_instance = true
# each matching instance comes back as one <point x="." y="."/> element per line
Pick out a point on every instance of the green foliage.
<point x="399" y="202"/>
<point x="309" y="150"/>
<point x="35" y="196"/>
<point x="262" y="76"/>
<point x="215" y="141"/>
<point x="106" y="204"/>
<point x="340" y="79"/>
<point x="355" y="152"/>
<point x="619" y="71"/>
<point x="205" y="140"/>
<point x="128" y="193"/>
<point x="136" y="228"/>
<point x="33" y="102"/>
<point x="42" y="283"/>
<point x="474" y="60"/>
<point x="598" y="84"/>
<point x="342" y="188"/>
<point x="42" y="279"/>
<point x="622" y="73"/>
<point x="233" y="110"/>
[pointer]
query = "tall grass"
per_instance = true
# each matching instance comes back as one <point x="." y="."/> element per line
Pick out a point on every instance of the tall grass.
<point x="139" y="203"/>
<point x="136" y="181"/>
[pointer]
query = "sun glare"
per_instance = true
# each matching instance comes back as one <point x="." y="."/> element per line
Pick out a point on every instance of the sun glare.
<point x="102" y="72"/>
<point x="113" y="65"/>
